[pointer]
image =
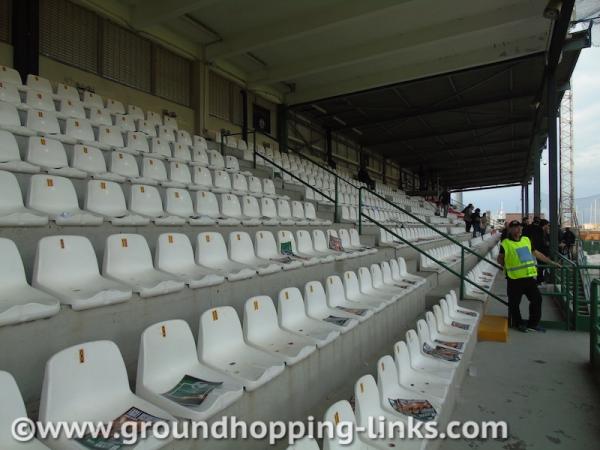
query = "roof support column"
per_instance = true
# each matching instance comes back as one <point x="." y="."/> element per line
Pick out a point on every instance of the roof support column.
<point x="282" y="127"/>
<point x="552" y="160"/>
<point x="526" y="188"/>
<point x="537" y="200"/>
<point x="329" y="148"/>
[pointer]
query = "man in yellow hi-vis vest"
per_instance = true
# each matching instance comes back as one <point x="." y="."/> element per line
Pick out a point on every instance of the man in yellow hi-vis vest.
<point x="518" y="257"/>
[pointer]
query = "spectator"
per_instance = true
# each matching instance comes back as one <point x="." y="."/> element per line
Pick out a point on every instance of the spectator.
<point x="568" y="242"/>
<point x="484" y="223"/>
<point x="445" y="201"/>
<point x="538" y="233"/>
<point x="467" y="216"/>
<point x="476" y="222"/>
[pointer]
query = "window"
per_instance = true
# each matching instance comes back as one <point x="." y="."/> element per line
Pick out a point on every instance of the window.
<point x="69" y="34"/>
<point x="172" y="76"/>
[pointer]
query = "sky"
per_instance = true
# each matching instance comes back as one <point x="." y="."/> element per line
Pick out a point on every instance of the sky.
<point x="586" y="104"/>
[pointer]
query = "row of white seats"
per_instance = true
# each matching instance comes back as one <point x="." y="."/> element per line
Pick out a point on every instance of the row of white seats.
<point x="10" y="81"/>
<point x="414" y="383"/>
<point x="66" y="267"/>
<point x="54" y="198"/>
<point x="448" y="254"/>
<point x="413" y="234"/>
<point x="484" y="275"/>
<point x="227" y="356"/>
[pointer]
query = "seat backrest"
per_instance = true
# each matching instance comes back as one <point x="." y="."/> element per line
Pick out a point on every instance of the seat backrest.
<point x="216" y="159"/>
<point x="351" y="285"/>
<point x="124" y="164"/>
<point x="250" y="207"/>
<point x="59" y="260"/>
<point x="92" y="100"/>
<point x="260" y="318"/>
<point x="364" y="279"/>
<point x="136" y="140"/>
<point x="254" y="185"/>
<point x="402" y="266"/>
<point x="145" y="200"/>
<point x="230" y="205"/>
<point x="126" y="253"/>
<point x="290" y="306"/>
<point x="154" y="118"/>
<point x="10" y="75"/>
<point x="179" y="172"/>
<point x="341" y="413"/>
<point x="146" y="127"/>
<point x="105" y="198"/>
<point x="160" y="146"/>
<point x="377" y="276"/>
<point x="344" y="237"/>
<point x="220" y="329"/>
<point x="101" y="116"/>
<point x="239" y="182"/>
<point x="9" y="150"/>
<point x="11" y="198"/>
<point x="206" y="204"/>
<point x="173" y="250"/>
<point x="124" y="122"/>
<point x="13" y="407"/>
<point x="170" y="122"/>
<point x="319" y="241"/>
<point x="386" y="273"/>
<point x="265" y="245"/>
<point x="222" y="180"/>
<point x="200" y="156"/>
<point x="366" y="395"/>
<point x="304" y="242"/>
<point x="135" y="111"/>
<point x="268" y="208"/>
<point x="354" y="237"/>
<point x="80" y="129"/>
<point x="202" y="177"/>
<point x="38" y="83"/>
<point x="335" y="290"/>
<point x="183" y="137"/>
<point x="90" y="372"/>
<point x="402" y="359"/>
<point x="413" y="344"/>
<point x="210" y="249"/>
<point x="387" y="378"/>
<point x="110" y="135"/>
<point x="115" y="106"/>
<point x="40" y="100"/>
<point x="178" y="202"/>
<point x="167" y="349"/>
<point x="12" y="272"/>
<point x="9" y="115"/>
<point x="181" y="152"/>
<point x="283" y="209"/>
<point x="283" y="238"/>
<point x="154" y="168"/>
<point x="42" y="121"/>
<point x="268" y="186"/>
<point x="46" y="152"/>
<point x="51" y="194"/>
<point x="241" y="248"/>
<point x="297" y="210"/>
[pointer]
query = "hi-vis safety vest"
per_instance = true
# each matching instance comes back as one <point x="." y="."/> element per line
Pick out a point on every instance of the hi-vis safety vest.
<point x="519" y="262"/>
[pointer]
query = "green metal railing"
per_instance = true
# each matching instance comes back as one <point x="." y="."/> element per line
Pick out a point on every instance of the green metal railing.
<point x="595" y="324"/>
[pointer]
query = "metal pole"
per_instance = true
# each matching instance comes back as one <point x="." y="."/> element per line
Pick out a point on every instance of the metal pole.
<point x="462" y="273"/>
<point x="552" y="161"/>
<point x="537" y="198"/>
<point x="255" y="149"/>
<point x="335" y="210"/>
<point x="360" y="211"/>
<point x="526" y="187"/>
<point x="223" y="141"/>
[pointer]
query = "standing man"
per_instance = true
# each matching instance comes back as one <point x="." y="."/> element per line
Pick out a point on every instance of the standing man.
<point x="445" y="201"/>
<point x="484" y="223"/>
<point x="517" y="256"/>
<point x="476" y="221"/>
<point x="467" y="216"/>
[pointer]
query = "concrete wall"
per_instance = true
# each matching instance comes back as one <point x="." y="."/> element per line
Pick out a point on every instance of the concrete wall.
<point x="6" y="54"/>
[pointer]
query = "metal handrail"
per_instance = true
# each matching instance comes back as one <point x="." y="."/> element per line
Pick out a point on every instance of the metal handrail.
<point x="595" y="323"/>
<point x="423" y="252"/>
<point x="444" y="235"/>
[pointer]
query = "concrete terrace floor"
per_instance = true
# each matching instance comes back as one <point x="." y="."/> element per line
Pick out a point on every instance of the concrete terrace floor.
<point x="539" y="383"/>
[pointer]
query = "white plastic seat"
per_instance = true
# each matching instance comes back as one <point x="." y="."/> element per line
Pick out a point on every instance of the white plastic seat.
<point x="80" y="131"/>
<point x="355" y="242"/>
<point x="336" y="298"/>
<point x="146" y="127"/>
<point x="39" y="100"/>
<point x="183" y="137"/>
<point x="50" y="155"/>
<point x="137" y="143"/>
<point x="154" y="118"/>
<point x="160" y="148"/>
<point x="10" y="120"/>
<point x="145" y="201"/>
<point x="371" y="283"/>
<point x="115" y="106"/>
<point x="10" y="75"/>
<point x="12" y="210"/>
<point x="354" y="294"/>
<point x="452" y="300"/>
<point x="268" y="211"/>
<point x="255" y="186"/>
<point x="222" y="182"/>
<point x="231" y="208"/>
<point x="88" y="383"/>
<point x="44" y="123"/>
<point x="417" y="280"/>
<point x="66" y="267"/>
<point x="106" y="199"/>
<point x="91" y="160"/>
<point x="169" y="373"/>
<point x="269" y="188"/>
<point x="124" y="122"/>
<point x="9" y="93"/>
<point x="92" y="100"/>
<point x="211" y="252"/>
<point x="286" y="239"/>
<point x="216" y="160"/>
<point x="181" y="153"/>
<point x="266" y="248"/>
<point x="221" y="345"/>
<point x="10" y="158"/>
<point x="450" y="357"/>
<point x="465" y="326"/>
<point x="199" y="157"/>
<point x="135" y="111"/>
<point x="100" y="117"/>
<point x="341" y="412"/>
<point x="368" y="405"/>
<point x="19" y="302"/>
<point x="37" y="83"/>
<point x="13" y="408"/>
<point x="170" y="122"/>
<point x="175" y="256"/>
<point x="202" y="177"/>
<point x="239" y="184"/>
<point x="322" y="246"/>
<point x="447" y="340"/>
<point x="154" y="169"/>
<point x="298" y="213"/>
<point x="206" y="207"/>
<point x="424" y="363"/>
<point x="251" y="209"/>
<point x="390" y="391"/>
<point x="56" y="197"/>
<point x="292" y="317"/>
<point x="241" y="250"/>
<point x="339" y="255"/>
<point x="284" y="212"/>
<point x="305" y="247"/>
<point x="111" y="136"/>
<point x="262" y="330"/>
<point x="178" y="203"/>
<point x="311" y="215"/>
<point x="127" y="259"/>
<point x="166" y="133"/>
<point x="125" y="165"/>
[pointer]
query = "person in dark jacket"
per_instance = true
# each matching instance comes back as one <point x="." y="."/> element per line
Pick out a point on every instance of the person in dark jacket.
<point x="476" y="222"/>
<point x="445" y="201"/>
<point x="467" y="216"/>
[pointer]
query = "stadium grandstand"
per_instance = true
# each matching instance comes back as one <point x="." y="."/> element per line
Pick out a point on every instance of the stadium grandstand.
<point x="229" y="209"/>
